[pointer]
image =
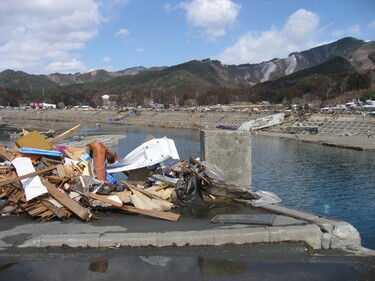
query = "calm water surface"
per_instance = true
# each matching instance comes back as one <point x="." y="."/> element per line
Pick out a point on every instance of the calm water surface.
<point x="334" y="182"/>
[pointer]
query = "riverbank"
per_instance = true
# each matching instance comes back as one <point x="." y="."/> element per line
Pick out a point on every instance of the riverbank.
<point x="352" y="131"/>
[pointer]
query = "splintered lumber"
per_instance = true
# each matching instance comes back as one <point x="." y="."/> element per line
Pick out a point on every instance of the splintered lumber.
<point x="161" y="187"/>
<point x="61" y="171"/>
<point x="9" y="181"/>
<point x="123" y="195"/>
<point x="2" y="193"/>
<point x="145" y="192"/>
<point x="164" y="193"/>
<point x="56" y="179"/>
<point x="55" y="210"/>
<point x="69" y="203"/>
<point x="70" y="155"/>
<point x="39" y="210"/>
<point x="74" y="153"/>
<point x="156" y="214"/>
<point x="64" y="135"/>
<point x="104" y="199"/>
<point x="15" y="194"/>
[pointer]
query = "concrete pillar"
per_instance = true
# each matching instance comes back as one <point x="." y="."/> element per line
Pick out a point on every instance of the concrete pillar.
<point x="230" y="151"/>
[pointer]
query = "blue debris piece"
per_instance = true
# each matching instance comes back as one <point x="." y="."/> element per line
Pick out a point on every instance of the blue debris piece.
<point x="226" y="127"/>
<point x="110" y="178"/>
<point x="38" y="151"/>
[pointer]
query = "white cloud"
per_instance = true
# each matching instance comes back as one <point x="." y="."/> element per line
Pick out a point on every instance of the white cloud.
<point x="71" y="66"/>
<point x="123" y="32"/>
<point x="372" y="25"/>
<point x="106" y="59"/>
<point x="169" y="8"/>
<point x="140" y="49"/>
<point x="338" y="33"/>
<point x="215" y="17"/>
<point x="354" y="30"/>
<point x="39" y="36"/>
<point x="298" y="34"/>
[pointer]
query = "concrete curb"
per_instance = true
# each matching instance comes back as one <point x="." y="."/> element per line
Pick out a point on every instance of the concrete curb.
<point x="335" y="234"/>
<point x="319" y="233"/>
<point x="309" y="234"/>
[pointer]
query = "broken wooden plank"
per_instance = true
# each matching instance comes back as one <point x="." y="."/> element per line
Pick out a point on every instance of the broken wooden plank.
<point x="142" y="201"/>
<point x="156" y="214"/>
<point x="74" y="153"/>
<point x="164" y="193"/>
<point x="15" y="195"/>
<point x="161" y="187"/>
<point x="29" y="175"/>
<point x="105" y="199"/>
<point x="56" y="179"/>
<point x="69" y="203"/>
<point x="45" y="162"/>
<point x="5" y="154"/>
<point x="55" y="210"/>
<point x="64" y="135"/>
<point x="61" y="171"/>
<point x="69" y="154"/>
<point x="34" y="140"/>
<point x="35" y="209"/>
<point x="145" y="192"/>
<point x="124" y="196"/>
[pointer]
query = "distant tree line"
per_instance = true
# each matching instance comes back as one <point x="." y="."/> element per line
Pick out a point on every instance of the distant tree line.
<point x="283" y="90"/>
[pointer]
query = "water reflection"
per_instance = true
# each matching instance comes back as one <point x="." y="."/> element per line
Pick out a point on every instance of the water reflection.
<point x="211" y="267"/>
<point x="7" y="266"/>
<point x="168" y="268"/>
<point x="156" y="260"/>
<point x="99" y="266"/>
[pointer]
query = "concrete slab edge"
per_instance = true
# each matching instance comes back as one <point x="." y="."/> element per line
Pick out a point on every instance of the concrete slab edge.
<point x="335" y="234"/>
<point x="309" y="234"/>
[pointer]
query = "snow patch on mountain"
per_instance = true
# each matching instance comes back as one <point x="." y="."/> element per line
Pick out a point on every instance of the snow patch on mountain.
<point x="291" y="63"/>
<point x="267" y="70"/>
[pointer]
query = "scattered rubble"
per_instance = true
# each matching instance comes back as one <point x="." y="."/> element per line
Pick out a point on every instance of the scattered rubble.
<point x="48" y="180"/>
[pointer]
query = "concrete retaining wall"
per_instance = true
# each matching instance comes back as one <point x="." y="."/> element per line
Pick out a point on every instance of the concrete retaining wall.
<point x="230" y="151"/>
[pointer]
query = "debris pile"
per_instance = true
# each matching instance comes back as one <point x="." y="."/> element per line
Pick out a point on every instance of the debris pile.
<point x="47" y="180"/>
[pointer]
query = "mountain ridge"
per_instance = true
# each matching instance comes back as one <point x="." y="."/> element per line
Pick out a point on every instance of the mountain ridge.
<point x="188" y="79"/>
<point x="252" y="73"/>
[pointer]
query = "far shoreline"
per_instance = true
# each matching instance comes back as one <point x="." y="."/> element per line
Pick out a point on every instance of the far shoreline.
<point x="192" y="120"/>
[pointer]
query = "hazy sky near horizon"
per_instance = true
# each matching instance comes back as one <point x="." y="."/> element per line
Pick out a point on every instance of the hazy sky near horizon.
<point x="69" y="36"/>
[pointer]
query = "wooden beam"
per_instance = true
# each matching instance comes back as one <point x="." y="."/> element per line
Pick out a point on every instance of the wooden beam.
<point x="64" y="135"/>
<point x="156" y="214"/>
<point x="29" y="175"/>
<point x="65" y="200"/>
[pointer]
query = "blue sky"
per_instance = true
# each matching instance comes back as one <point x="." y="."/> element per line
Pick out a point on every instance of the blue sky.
<point x="68" y="36"/>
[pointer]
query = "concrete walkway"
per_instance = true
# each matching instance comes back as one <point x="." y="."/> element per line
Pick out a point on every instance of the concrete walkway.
<point x="123" y="229"/>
